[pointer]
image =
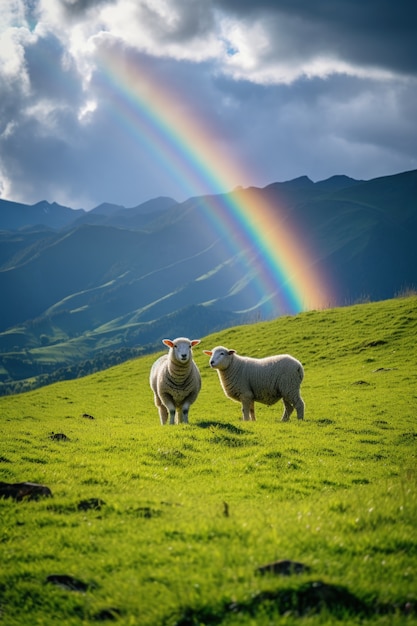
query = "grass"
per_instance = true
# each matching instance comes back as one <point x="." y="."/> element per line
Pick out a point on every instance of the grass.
<point x="188" y="513"/>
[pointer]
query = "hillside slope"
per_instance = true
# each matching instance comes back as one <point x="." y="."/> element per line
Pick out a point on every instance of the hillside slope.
<point x="169" y="525"/>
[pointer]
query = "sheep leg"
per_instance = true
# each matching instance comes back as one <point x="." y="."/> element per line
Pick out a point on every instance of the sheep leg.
<point x="247" y="409"/>
<point x="172" y="413"/>
<point x="297" y="403"/>
<point x="299" y="407"/>
<point x="288" y="409"/>
<point x="163" y="413"/>
<point x="170" y="407"/>
<point x="183" y="416"/>
<point x="252" y="411"/>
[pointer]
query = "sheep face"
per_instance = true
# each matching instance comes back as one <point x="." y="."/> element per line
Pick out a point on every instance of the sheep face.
<point x="181" y="348"/>
<point x="220" y="357"/>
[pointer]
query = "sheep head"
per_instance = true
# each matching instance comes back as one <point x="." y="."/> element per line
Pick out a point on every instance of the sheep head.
<point x="181" y="348"/>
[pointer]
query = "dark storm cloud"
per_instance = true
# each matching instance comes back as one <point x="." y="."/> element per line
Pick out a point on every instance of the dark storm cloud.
<point x="52" y="73"/>
<point x="285" y="87"/>
<point x="192" y="19"/>
<point x="40" y="126"/>
<point x="374" y="32"/>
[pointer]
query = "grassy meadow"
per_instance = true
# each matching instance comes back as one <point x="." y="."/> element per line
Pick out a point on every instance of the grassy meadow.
<point x="184" y="515"/>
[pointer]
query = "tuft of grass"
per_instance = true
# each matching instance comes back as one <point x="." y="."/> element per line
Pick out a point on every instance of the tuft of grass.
<point x="168" y="525"/>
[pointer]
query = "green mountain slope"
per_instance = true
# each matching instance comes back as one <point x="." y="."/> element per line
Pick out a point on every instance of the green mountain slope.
<point x="106" y="290"/>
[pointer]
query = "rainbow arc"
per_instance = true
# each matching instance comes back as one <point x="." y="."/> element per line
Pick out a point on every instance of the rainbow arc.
<point x="272" y="248"/>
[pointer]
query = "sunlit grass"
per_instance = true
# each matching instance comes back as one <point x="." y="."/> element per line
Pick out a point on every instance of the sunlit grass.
<point x="337" y="492"/>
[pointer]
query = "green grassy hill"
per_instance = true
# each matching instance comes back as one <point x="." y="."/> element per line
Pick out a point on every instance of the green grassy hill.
<point x="186" y="514"/>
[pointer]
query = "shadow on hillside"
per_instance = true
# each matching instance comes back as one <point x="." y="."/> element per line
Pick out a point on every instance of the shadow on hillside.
<point x="309" y="599"/>
<point x="231" y="428"/>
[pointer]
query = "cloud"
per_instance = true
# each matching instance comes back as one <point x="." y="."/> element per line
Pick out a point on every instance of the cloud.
<point x="286" y="88"/>
<point x="375" y="33"/>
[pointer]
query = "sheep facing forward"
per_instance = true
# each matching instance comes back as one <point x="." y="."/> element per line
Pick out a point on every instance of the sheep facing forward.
<point x="248" y="380"/>
<point x="175" y="380"/>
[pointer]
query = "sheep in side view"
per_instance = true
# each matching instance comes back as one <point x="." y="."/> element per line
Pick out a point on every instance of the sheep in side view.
<point x="248" y="380"/>
<point x="175" y="380"/>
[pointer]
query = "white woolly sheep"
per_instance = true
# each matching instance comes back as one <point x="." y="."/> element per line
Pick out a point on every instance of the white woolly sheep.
<point x="248" y="380"/>
<point x="175" y="380"/>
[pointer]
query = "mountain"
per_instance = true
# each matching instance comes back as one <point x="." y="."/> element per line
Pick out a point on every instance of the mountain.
<point x="135" y="218"/>
<point x="81" y="290"/>
<point x="14" y="215"/>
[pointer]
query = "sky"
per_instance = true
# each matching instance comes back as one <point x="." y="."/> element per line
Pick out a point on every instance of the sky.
<point x="116" y="100"/>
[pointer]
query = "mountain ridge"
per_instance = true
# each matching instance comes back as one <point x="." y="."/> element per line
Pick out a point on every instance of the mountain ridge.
<point x="124" y="279"/>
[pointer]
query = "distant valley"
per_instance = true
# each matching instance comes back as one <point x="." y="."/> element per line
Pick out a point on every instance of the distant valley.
<point x="83" y="290"/>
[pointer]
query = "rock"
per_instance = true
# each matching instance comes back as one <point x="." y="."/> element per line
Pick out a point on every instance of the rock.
<point x="283" y="567"/>
<point x="111" y="614"/>
<point x="87" y="416"/>
<point x="59" y="437"/>
<point x="310" y="598"/>
<point x="21" y="491"/>
<point x="316" y="596"/>
<point x="91" y="503"/>
<point x="67" y="582"/>
<point x="147" y="512"/>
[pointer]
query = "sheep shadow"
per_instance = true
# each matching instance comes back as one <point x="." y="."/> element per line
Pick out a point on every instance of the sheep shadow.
<point x="230" y="428"/>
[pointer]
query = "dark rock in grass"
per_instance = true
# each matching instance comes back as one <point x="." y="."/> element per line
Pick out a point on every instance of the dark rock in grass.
<point x="88" y="417"/>
<point x="59" y="437"/>
<point x="110" y="614"/>
<point x="191" y="616"/>
<point x="284" y="567"/>
<point x="317" y="596"/>
<point x="67" y="582"/>
<point x="147" y="512"/>
<point x="91" y="503"/>
<point x="375" y="344"/>
<point x="309" y="598"/>
<point x="24" y="491"/>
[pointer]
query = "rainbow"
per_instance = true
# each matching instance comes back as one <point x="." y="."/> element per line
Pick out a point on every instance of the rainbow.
<point x="286" y="271"/>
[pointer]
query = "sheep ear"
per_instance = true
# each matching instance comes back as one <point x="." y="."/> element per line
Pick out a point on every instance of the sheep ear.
<point x="195" y="342"/>
<point x="168" y="343"/>
<point x="231" y="352"/>
<point x="208" y="352"/>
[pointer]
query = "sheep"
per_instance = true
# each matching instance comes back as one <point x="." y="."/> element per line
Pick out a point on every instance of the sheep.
<point x="175" y="380"/>
<point x="248" y="380"/>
